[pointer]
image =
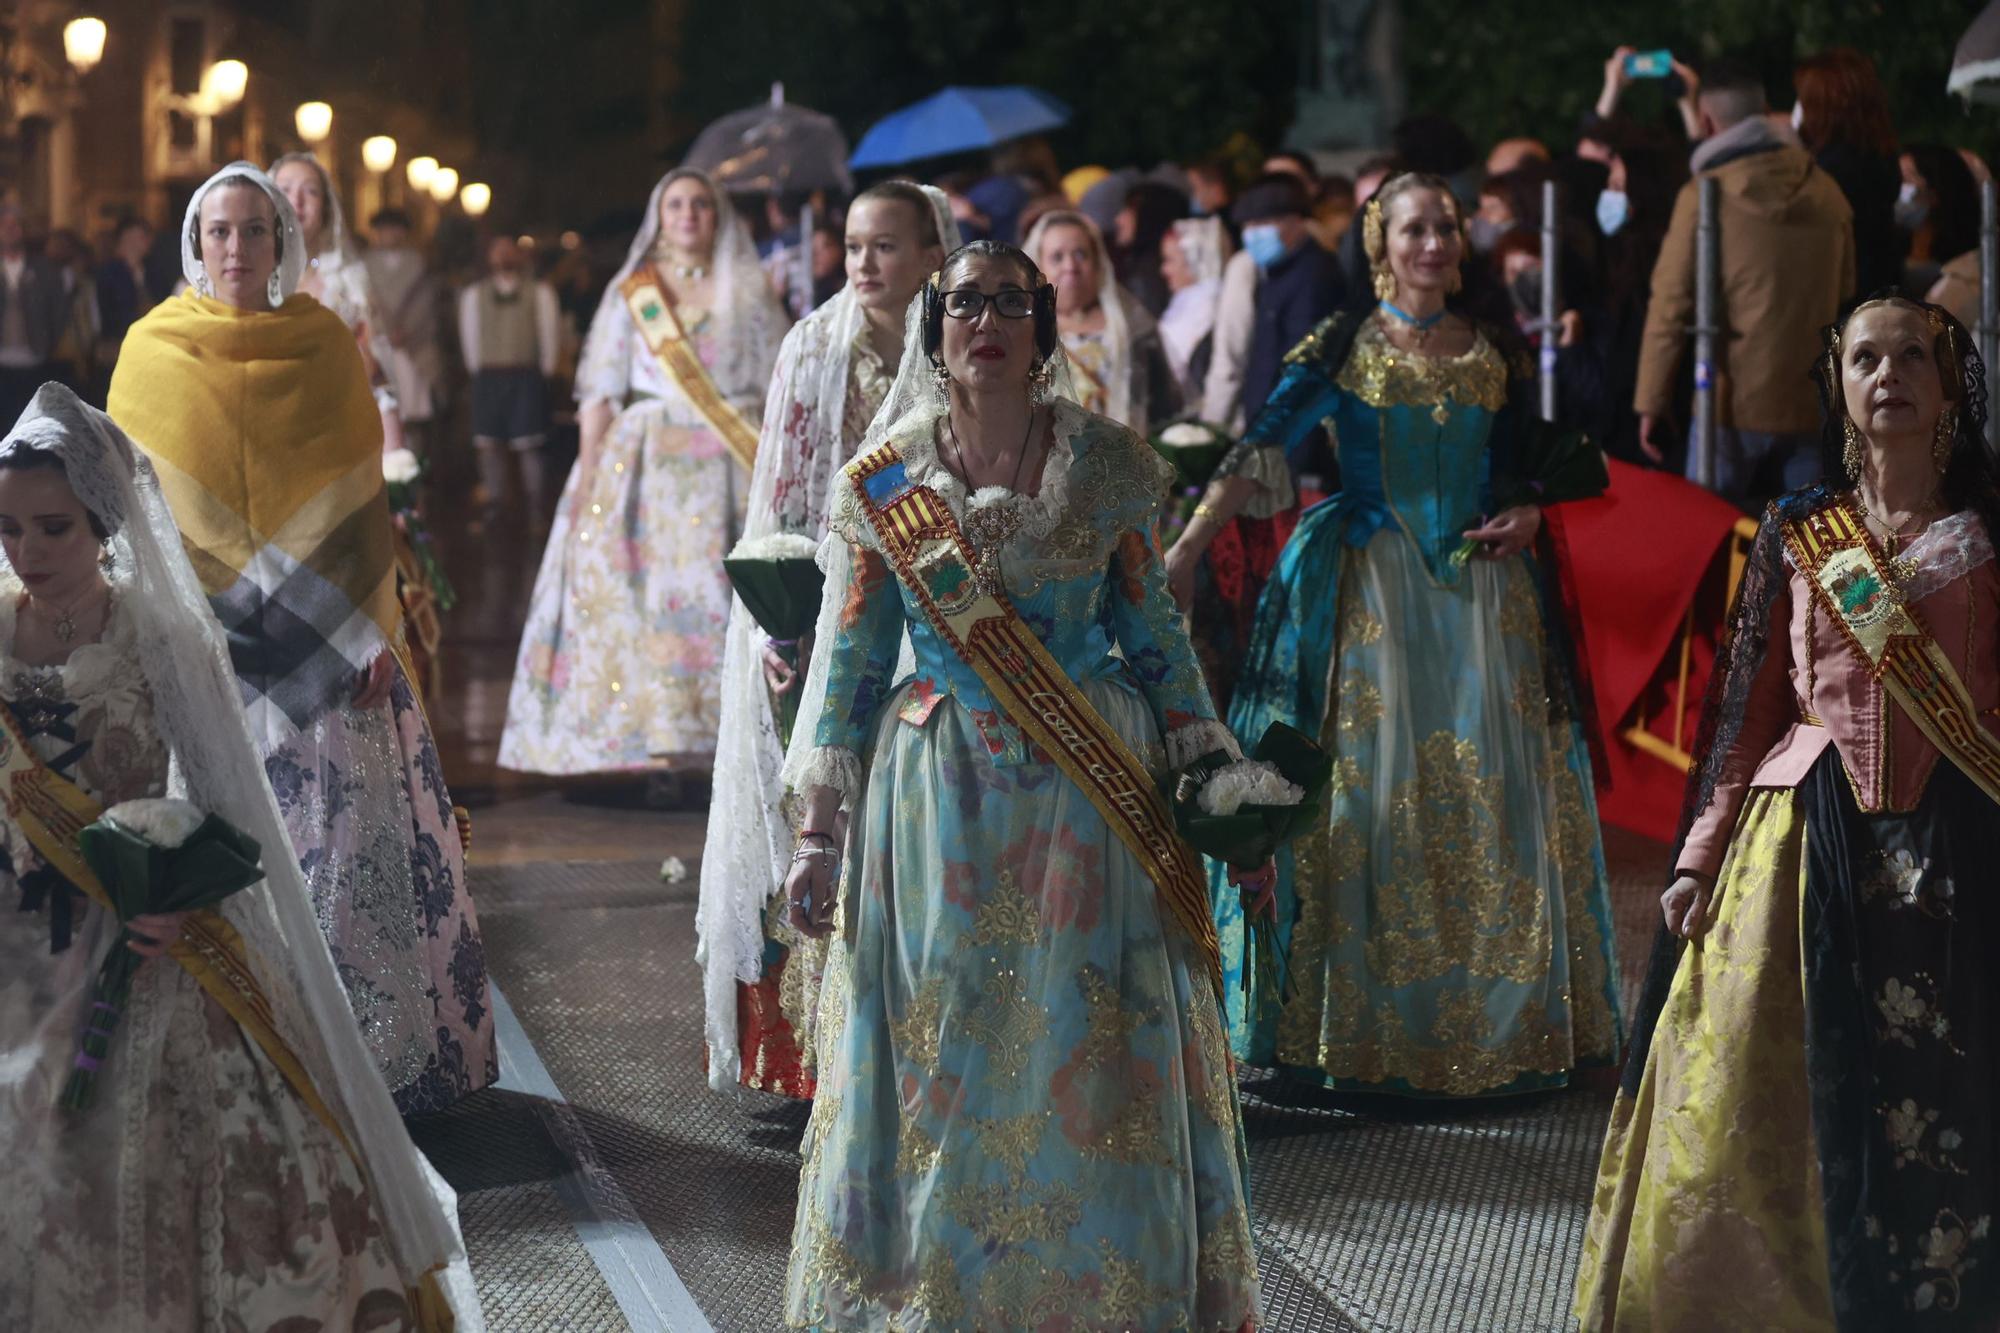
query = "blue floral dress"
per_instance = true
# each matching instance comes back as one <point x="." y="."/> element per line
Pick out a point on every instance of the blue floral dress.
<point x="1447" y="927"/>
<point x="1026" y="1115"/>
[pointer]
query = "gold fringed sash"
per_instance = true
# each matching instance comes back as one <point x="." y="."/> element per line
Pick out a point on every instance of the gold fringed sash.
<point x="929" y="552"/>
<point x="661" y="328"/>
<point x="1831" y="546"/>
<point x="52" y="811"/>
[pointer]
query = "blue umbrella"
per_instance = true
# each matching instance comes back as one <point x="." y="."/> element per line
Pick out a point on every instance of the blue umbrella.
<point x="956" y="120"/>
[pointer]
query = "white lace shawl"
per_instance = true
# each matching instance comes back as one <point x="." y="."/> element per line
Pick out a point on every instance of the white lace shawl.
<point x="216" y="766"/>
<point x="1943" y="553"/>
<point x="747" y="850"/>
<point x="749" y="321"/>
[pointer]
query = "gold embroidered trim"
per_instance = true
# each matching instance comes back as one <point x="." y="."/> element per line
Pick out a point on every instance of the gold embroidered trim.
<point x="1382" y="375"/>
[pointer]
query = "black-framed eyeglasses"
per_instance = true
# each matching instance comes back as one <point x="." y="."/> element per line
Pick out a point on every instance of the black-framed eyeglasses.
<point x="1010" y="303"/>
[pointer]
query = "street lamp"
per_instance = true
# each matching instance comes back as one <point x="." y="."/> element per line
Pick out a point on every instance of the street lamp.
<point x="222" y="84"/>
<point x="378" y="153"/>
<point x="419" y="171"/>
<point x="83" y="43"/>
<point x="475" y="199"/>
<point x="444" y="184"/>
<point x="314" y="121"/>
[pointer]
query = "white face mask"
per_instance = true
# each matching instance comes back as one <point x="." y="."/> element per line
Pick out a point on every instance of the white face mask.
<point x="1798" y="115"/>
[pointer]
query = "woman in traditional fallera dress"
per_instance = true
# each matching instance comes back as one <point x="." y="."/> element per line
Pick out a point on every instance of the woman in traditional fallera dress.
<point x="220" y="1177"/>
<point x="1447" y="928"/>
<point x="1111" y="339"/>
<point x="252" y="402"/>
<point x="1805" y="1134"/>
<point x="1026" y="1115"/>
<point x="619" y="669"/>
<point x="761" y="978"/>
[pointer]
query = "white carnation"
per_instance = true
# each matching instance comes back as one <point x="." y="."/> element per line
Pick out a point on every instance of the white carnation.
<point x="776" y="546"/>
<point x="673" y="870"/>
<point x="401" y="467"/>
<point x="1187" y="432"/>
<point x="162" y="821"/>
<point x="1246" y="782"/>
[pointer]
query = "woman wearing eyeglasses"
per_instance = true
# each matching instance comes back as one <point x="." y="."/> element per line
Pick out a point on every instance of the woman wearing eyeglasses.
<point x="1025" y="1103"/>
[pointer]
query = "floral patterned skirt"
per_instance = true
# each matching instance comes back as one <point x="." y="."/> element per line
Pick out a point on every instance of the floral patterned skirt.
<point x="1448" y="928"/>
<point x="1809" y="1139"/>
<point x="365" y="802"/>
<point x="196" y="1192"/>
<point x="620" y="659"/>
<point x="1026" y="1115"/>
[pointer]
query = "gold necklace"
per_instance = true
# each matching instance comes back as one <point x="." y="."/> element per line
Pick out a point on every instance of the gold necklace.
<point x="64" y="625"/>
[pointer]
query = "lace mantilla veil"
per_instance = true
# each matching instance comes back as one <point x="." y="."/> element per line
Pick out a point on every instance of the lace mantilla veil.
<point x="791" y="489"/>
<point x="216" y="766"/>
<point x="1124" y="318"/>
<point x="754" y="321"/>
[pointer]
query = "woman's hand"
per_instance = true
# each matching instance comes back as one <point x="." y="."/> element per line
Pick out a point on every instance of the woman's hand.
<point x="809" y="888"/>
<point x="1507" y="533"/>
<point x="1260" y="890"/>
<point x="376" y="681"/>
<point x="1616" y="81"/>
<point x="154" y="933"/>
<point x="781" y="675"/>
<point x="1685" y="904"/>
<point x="1183" y="558"/>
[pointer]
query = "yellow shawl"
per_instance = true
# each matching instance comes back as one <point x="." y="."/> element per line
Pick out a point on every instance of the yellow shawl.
<point x="268" y="446"/>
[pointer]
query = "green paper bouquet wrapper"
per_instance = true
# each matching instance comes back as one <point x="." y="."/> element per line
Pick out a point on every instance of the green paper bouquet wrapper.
<point x="778" y="580"/>
<point x="1253" y="834"/>
<point x="139" y="854"/>
<point x="1196" y="449"/>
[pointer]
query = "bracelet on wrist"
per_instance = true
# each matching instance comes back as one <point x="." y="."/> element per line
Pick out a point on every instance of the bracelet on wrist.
<point x="815" y="833"/>
<point x="1207" y="510"/>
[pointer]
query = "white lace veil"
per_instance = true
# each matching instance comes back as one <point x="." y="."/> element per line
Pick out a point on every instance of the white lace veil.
<point x="748" y="846"/>
<point x="216" y="766"/>
<point x="1125" y="320"/>
<point x="913" y="403"/>
<point x="743" y="297"/>
<point x="291" y="241"/>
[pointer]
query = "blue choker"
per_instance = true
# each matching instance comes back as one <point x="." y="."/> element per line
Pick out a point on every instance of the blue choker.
<point x="1423" y="325"/>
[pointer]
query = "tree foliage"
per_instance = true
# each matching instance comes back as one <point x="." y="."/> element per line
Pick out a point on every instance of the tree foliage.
<point x="1528" y="67"/>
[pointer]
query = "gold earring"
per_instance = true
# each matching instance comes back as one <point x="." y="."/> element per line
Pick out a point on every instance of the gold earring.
<point x="1850" y="451"/>
<point x="1947" y="432"/>
<point x="1384" y="282"/>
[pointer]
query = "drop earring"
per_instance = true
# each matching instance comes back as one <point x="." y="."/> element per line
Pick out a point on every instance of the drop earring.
<point x="276" y="290"/>
<point x="941" y="382"/>
<point x="1947" y="433"/>
<point x="1850" y="449"/>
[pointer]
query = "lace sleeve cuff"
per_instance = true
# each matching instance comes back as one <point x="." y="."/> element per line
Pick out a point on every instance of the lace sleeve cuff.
<point x="833" y="766"/>
<point x="1189" y="743"/>
<point x="1265" y="465"/>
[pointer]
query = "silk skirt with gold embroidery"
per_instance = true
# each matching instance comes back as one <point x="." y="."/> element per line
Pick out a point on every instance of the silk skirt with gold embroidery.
<point x="1026" y="1116"/>
<point x="1448" y="926"/>
<point x="1808" y="1141"/>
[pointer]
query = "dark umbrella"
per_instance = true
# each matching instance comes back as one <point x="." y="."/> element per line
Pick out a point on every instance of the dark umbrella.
<point x="774" y="148"/>
<point x="1975" y="66"/>
<point x="956" y="120"/>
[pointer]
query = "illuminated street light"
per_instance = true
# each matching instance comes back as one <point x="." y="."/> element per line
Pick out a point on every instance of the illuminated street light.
<point x="444" y="185"/>
<point x="378" y="153"/>
<point x="476" y="198"/>
<point x="419" y="171"/>
<point x="222" y="84"/>
<point x="314" y="121"/>
<point x="83" y="43"/>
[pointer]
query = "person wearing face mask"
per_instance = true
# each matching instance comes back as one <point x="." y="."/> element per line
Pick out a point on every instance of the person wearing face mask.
<point x="1939" y="212"/>
<point x="508" y="326"/>
<point x="617" y="666"/>
<point x="1787" y="265"/>
<point x="1298" y="284"/>
<point x="759" y="976"/>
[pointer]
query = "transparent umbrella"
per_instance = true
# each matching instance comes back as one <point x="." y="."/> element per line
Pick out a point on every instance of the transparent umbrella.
<point x="1975" y="65"/>
<point x="774" y="148"/>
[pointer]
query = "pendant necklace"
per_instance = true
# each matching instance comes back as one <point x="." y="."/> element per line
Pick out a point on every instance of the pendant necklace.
<point x="1420" y="329"/>
<point x="991" y="526"/>
<point x="64" y="625"/>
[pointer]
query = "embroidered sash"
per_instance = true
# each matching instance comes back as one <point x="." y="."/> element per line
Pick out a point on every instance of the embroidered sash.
<point x="1831" y="546"/>
<point x="52" y="811"/>
<point x="925" y="545"/>
<point x="661" y="328"/>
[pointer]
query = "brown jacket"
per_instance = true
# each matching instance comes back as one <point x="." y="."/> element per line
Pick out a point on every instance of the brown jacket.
<point x="1787" y="256"/>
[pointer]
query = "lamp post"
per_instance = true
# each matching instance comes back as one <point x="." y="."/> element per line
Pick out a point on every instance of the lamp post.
<point x="418" y="172"/>
<point x="83" y="43"/>
<point x="223" y="84"/>
<point x="314" y="121"/>
<point x="475" y="199"/>
<point x="444" y="185"/>
<point x="378" y="154"/>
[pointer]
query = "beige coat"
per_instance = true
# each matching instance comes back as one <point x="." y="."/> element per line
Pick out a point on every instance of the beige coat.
<point x="1787" y="254"/>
